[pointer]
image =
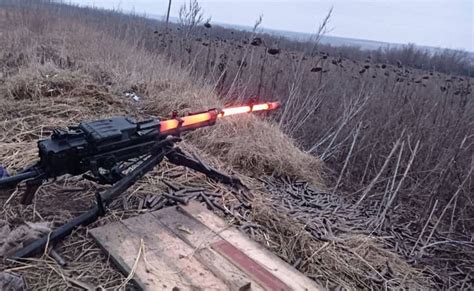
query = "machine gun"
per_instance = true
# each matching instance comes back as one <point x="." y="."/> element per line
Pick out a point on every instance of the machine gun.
<point x="116" y="151"/>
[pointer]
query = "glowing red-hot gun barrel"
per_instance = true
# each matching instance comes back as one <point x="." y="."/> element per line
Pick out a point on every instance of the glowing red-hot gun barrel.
<point x="247" y="109"/>
<point x="209" y="117"/>
<point x="166" y="125"/>
<point x="266" y="106"/>
<point x="187" y="121"/>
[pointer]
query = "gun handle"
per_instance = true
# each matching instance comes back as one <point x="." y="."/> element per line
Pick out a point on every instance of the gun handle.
<point x="31" y="188"/>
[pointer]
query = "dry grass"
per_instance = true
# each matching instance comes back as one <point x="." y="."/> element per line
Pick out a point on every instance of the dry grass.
<point x="73" y="66"/>
<point x="258" y="147"/>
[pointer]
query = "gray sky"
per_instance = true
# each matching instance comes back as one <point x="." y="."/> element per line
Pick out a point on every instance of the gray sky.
<point x="439" y="23"/>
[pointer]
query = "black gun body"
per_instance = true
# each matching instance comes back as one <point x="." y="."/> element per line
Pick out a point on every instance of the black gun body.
<point x="97" y="144"/>
<point x="100" y="147"/>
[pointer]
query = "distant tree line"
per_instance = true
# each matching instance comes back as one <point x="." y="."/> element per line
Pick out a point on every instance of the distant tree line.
<point x="443" y="60"/>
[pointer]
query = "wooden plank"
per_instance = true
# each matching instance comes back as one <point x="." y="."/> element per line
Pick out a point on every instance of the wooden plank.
<point x="169" y="261"/>
<point x="175" y="254"/>
<point x="199" y="237"/>
<point x="108" y="237"/>
<point x="236" y="256"/>
<point x="190" y="248"/>
<point x="289" y="275"/>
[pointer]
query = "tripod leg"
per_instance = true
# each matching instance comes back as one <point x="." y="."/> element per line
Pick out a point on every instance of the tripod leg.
<point x="91" y="215"/>
<point x="179" y="158"/>
<point x="31" y="188"/>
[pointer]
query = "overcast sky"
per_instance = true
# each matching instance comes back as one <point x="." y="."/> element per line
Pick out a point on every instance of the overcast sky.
<point x="439" y="23"/>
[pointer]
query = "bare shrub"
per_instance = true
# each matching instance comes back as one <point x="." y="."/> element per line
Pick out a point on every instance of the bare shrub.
<point x="190" y="16"/>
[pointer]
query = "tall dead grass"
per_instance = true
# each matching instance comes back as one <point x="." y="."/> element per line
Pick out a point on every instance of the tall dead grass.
<point x="86" y="73"/>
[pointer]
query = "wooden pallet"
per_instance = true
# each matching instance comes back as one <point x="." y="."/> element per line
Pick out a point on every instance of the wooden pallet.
<point x="190" y="248"/>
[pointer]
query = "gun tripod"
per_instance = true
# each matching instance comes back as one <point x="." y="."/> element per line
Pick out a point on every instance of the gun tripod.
<point x="172" y="153"/>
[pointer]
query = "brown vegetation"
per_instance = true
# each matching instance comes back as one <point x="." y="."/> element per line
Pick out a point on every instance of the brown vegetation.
<point x="394" y="139"/>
